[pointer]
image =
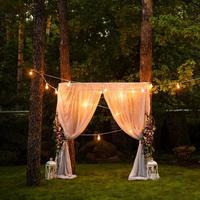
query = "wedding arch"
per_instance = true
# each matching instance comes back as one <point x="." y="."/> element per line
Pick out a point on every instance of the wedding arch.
<point x="129" y="104"/>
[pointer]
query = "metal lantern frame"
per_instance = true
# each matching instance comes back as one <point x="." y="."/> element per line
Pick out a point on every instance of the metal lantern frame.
<point x="152" y="170"/>
<point x="50" y="169"/>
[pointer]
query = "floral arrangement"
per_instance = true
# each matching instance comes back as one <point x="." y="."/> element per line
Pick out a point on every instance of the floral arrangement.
<point x="147" y="138"/>
<point x="58" y="133"/>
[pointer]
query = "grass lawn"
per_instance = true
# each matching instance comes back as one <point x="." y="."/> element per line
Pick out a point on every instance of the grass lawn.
<point x="104" y="182"/>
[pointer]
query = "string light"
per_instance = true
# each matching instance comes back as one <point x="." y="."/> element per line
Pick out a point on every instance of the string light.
<point x="105" y="133"/>
<point x="85" y="104"/>
<point x="121" y="95"/>
<point x="178" y="86"/>
<point x="46" y="86"/>
<point x="133" y="91"/>
<point x="117" y="114"/>
<point x="31" y="72"/>
<point x="150" y="87"/>
<point x="98" y="137"/>
<point x="105" y="90"/>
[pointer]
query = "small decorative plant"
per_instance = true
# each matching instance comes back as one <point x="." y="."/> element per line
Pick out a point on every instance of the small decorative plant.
<point x="58" y="134"/>
<point x="147" y="138"/>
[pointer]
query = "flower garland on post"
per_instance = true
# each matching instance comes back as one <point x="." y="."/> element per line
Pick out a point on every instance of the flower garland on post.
<point x="57" y="128"/>
<point x="147" y="138"/>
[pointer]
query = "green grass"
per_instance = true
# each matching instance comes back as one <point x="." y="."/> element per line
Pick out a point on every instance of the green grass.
<point x="104" y="182"/>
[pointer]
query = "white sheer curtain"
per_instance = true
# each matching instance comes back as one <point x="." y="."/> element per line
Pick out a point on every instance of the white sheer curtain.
<point x="76" y="105"/>
<point x="129" y="102"/>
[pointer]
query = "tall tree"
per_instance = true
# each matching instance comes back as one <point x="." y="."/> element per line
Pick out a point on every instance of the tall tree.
<point x="36" y="96"/>
<point x="20" y="54"/>
<point x="65" y="69"/>
<point x="146" y="41"/>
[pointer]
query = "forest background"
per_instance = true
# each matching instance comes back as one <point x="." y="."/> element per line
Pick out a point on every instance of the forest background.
<point x="104" y="46"/>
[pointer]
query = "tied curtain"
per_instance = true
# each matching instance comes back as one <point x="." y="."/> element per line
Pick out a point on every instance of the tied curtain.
<point x="129" y="103"/>
<point x="77" y="102"/>
<point x="76" y="105"/>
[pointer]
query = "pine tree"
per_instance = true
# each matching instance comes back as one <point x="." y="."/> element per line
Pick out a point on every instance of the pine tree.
<point x="36" y="96"/>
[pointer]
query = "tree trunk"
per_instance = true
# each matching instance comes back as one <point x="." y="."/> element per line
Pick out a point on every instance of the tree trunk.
<point x="65" y="70"/>
<point x="146" y="42"/>
<point x="20" y="55"/>
<point x="36" y="96"/>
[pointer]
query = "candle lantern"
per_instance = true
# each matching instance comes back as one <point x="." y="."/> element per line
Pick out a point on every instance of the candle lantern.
<point x="50" y="169"/>
<point x="152" y="170"/>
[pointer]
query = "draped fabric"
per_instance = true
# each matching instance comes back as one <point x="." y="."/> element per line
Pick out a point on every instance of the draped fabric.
<point x="64" y="163"/>
<point x="138" y="171"/>
<point x="75" y="107"/>
<point x="128" y="103"/>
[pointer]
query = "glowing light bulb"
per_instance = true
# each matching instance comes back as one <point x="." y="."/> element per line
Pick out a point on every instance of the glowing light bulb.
<point x="68" y="84"/>
<point x="121" y="95"/>
<point x="133" y="91"/>
<point x="98" y="137"/>
<point x="178" y="86"/>
<point x="117" y="114"/>
<point x="150" y="86"/>
<point x="31" y="72"/>
<point x="56" y="91"/>
<point x="85" y="104"/>
<point x="46" y="86"/>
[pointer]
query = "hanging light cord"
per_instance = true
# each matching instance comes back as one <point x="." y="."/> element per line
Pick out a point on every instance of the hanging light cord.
<point x="105" y="133"/>
<point x="66" y="80"/>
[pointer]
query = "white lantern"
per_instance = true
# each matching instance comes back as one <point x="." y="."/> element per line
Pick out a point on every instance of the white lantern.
<point x="50" y="169"/>
<point x="152" y="170"/>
